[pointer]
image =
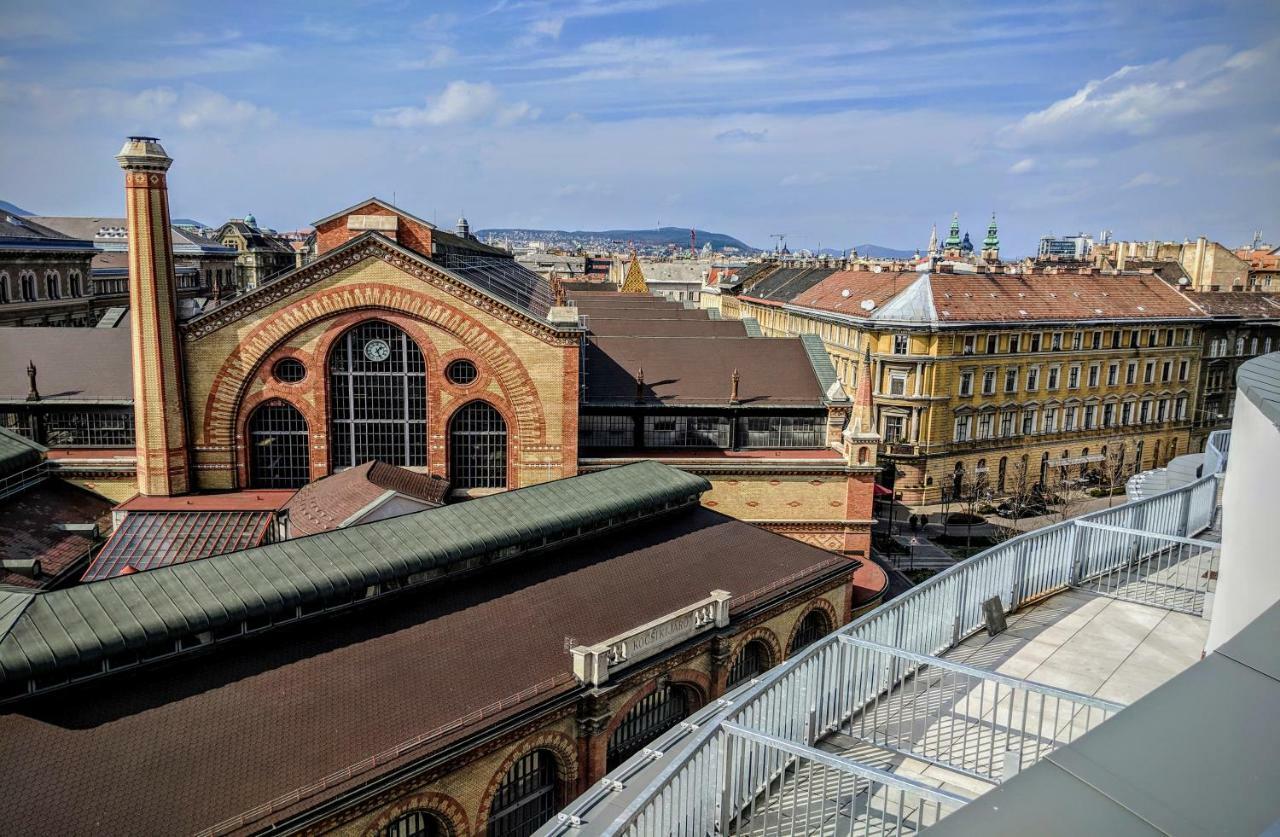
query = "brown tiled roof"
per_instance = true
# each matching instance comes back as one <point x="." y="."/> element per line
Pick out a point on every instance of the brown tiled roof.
<point x="1252" y="305"/>
<point x="145" y="540"/>
<point x="26" y="529"/>
<point x="830" y="294"/>
<point x="327" y="503"/>
<point x="174" y="749"/>
<point x="72" y="364"/>
<point x="607" y="326"/>
<point x="960" y="297"/>
<point x="698" y="370"/>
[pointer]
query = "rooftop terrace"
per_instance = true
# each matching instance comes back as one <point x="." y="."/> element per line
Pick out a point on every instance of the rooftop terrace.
<point x="916" y="709"/>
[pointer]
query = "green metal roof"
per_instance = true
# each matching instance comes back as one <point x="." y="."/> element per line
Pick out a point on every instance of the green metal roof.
<point x="43" y="632"/>
<point x="17" y="453"/>
<point x="823" y="367"/>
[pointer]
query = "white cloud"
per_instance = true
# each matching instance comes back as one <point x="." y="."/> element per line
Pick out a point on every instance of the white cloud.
<point x="1023" y="166"/>
<point x="1147" y="178"/>
<point x="1141" y="100"/>
<point x="549" y="27"/>
<point x="200" y="108"/>
<point x="741" y="135"/>
<point x="440" y="56"/>
<point x="460" y="102"/>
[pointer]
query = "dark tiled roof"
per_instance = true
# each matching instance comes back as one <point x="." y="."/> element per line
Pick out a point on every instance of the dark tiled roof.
<point x="72" y="364"/>
<point x="147" y="540"/>
<point x="785" y="284"/>
<point x="256" y="239"/>
<point x="1247" y="305"/>
<point x="228" y="730"/>
<point x="698" y="370"/>
<point x="328" y="503"/>
<point x="22" y="232"/>
<point x="606" y="326"/>
<point x="27" y="522"/>
<point x="90" y="227"/>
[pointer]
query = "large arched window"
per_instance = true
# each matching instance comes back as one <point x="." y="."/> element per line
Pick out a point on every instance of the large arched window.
<point x="77" y="287"/>
<point x="653" y="714"/>
<point x="26" y="286"/>
<point x="378" y="397"/>
<point x="527" y="797"/>
<point x="52" y="287"/>
<point x="279" y="449"/>
<point x="478" y="447"/>
<point x="814" y="627"/>
<point x="752" y="661"/>
<point x="417" y="823"/>
<point x="4" y="287"/>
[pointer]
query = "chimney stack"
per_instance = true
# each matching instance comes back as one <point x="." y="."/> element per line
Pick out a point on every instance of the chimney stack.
<point x="159" y="395"/>
<point x="733" y="387"/>
<point x="640" y="385"/>
<point x="33" y="394"/>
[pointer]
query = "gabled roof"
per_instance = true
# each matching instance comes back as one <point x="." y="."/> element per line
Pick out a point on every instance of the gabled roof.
<point x="380" y="202"/>
<point x="332" y="502"/>
<point x="147" y="540"/>
<point x="845" y="291"/>
<point x="83" y="625"/>
<point x="20" y="232"/>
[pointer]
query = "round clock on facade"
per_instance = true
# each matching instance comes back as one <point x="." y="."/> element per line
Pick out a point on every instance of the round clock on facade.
<point x="377" y="350"/>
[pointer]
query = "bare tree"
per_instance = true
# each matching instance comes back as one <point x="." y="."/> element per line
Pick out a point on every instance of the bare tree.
<point x="1111" y="471"/>
<point x="1068" y="492"/>
<point x="1021" y="491"/>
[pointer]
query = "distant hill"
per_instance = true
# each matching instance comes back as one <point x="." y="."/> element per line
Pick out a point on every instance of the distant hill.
<point x="873" y="251"/>
<point x="5" y="206"/>
<point x="661" y="237"/>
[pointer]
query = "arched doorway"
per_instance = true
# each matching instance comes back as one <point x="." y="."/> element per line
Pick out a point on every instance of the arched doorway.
<point x="528" y="796"/>
<point x="814" y="627"/>
<point x="478" y="447"/>
<point x="652" y="715"/>
<point x="418" y="823"/>
<point x="378" y="397"/>
<point x="279" y="447"/>
<point x="753" y="660"/>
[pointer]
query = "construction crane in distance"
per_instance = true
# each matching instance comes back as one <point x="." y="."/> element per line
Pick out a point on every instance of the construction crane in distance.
<point x="780" y="242"/>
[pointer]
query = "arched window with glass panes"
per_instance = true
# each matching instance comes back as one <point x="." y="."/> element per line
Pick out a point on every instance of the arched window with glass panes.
<point x="528" y="796"/>
<point x="279" y="448"/>
<point x="417" y="823"/>
<point x="814" y="627"/>
<point x="653" y="714"/>
<point x="478" y="447"/>
<point x="753" y="660"/>
<point x="378" y="398"/>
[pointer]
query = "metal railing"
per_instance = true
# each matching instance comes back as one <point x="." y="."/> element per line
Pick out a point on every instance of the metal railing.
<point x="24" y="479"/>
<point x="709" y="786"/>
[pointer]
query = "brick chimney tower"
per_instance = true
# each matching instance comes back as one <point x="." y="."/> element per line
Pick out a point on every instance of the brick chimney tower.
<point x="159" y="397"/>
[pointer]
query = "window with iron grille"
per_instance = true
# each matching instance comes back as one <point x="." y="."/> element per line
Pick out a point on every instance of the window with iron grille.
<point x="106" y="428"/>
<point x="686" y="432"/>
<point x="527" y="797"/>
<point x="814" y="627"/>
<point x="652" y="715"/>
<point x="279" y="448"/>
<point x="20" y="423"/>
<point x="595" y="431"/>
<point x="378" y="383"/>
<point x="780" y="431"/>
<point x="478" y="447"/>
<point x="462" y="372"/>
<point x="752" y="661"/>
<point x="290" y="371"/>
<point x="417" y="824"/>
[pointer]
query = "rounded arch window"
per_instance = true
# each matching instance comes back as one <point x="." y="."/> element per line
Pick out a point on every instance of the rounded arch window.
<point x="378" y="407"/>
<point x="289" y="371"/>
<point x="462" y="372"/>
<point x="417" y="823"/>
<point x="812" y="628"/>
<point x="279" y="447"/>
<point x="653" y="714"/>
<point x="478" y="447"/>
<point x="753" y="660"/>
<point x="527" y="797"/>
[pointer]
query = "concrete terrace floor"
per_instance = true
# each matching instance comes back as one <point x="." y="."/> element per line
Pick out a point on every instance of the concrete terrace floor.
<point x="1075" y="640"/>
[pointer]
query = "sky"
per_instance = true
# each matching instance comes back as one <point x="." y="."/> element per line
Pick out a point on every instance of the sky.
<point x="834" y="123"/>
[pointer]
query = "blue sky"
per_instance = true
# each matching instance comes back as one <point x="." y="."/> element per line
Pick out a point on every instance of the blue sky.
<point x="835" y="123"/>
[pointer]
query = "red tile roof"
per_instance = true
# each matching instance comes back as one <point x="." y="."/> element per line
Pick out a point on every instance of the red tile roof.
<point x="1249" y="305"/>
<point x="145" y="540"/>
<point x="328" y="503"/>
<point x="256" y="500"/>
<point x="27" y="530"/>
<point x="845" y="291"/>
<point x="238" y="726"/>
<point x="960" y="297"/>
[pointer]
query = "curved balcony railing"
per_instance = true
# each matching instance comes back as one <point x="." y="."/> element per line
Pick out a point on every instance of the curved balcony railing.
<point x="718" y="765"/>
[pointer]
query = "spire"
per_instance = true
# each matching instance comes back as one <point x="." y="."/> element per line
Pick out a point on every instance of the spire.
<point x="992" y="241"/>
<point x="953" y="235"/>
<point x="862" y="420"/>
<point x="634" y="283"/>
<point x="933" y="240"/>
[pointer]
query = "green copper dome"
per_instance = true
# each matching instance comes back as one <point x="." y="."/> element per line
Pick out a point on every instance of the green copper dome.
<point x="953" y="235"/>
<point x="992" y="241"/>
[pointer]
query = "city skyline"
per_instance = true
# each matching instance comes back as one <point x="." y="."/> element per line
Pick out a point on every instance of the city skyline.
<point x="834" y="126"/>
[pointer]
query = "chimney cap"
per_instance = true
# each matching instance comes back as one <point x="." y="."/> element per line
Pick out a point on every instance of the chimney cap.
<point x="144" y="153"/>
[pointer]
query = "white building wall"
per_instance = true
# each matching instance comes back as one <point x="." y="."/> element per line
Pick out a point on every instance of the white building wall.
<point x="1249" y="575"/>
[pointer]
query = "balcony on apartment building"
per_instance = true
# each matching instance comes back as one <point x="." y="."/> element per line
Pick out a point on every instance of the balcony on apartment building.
<point x="1058" y="674"/>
